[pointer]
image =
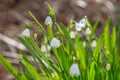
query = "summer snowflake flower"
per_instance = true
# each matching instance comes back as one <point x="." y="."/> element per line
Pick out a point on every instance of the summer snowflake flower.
<point x="44" y="48"/>
<point x="72" y="34"/>
<point x="55" y="42"/>
<point x="108" y="66"/>
<point x="74" y="70"/>
<point x="77" y="26"/>
<point x="48" y="20"/>
<point x="87" y="31"/>
<point x="82" y="23"/>
<point x="93" y="44"/>
<point x="26" y="33"/>
<point x="84" y="43"/>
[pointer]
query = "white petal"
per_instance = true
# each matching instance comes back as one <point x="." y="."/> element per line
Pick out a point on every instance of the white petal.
<point x="108" y="66"/>
<point x="82" y="23"/>
<point x="26" y="33"/>
<point x="84" y="43"/>
<point x="87" y="31"/>
<point x="74" y="70"/>
<point x="72" y="34"/>
<point x="55" y="43"/>
<point x="48" y="20"/>
<point x="93" y="44"/>
<point x="78" y="27"/>
<point x="44" y="48"/>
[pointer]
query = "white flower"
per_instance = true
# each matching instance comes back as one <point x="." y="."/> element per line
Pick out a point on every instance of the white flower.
<point x="44" y="48"/>
<point x="84" y="43"/>
<point x="108" y="66"/>
<point x="55" y="43"/>
<point x="72" y="34"/>
<point x="87" y="31"/>
<point x="48" y="20"/>
<point x="26" y="33"/>
<point x="74" y="70"/>
<point x="78" y="27"/>
<point x="82" y="23"/>
<point x="93" y="44"/>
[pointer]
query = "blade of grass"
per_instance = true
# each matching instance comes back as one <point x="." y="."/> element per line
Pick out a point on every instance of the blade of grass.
<point x="81" y="52"/>
<point x="98" y="47"/>
<point x="36" y="47"/>
<point x="11" y="69"/>
<point x="68" y="38"/>
<point x="30" y="71"/>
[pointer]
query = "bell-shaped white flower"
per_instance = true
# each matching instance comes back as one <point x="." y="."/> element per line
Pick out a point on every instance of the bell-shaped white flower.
<point x="74" y="70"/>
<point x="26" y="33"/>
<point x="82" y="23"/>
<point x="55" y="43"/>
<point x="87" y="31"/>
<point x="78" y="26"/>
<point x="93" y="44"/>
<point x="48" y="20"/>
<point x="108" y="66"/>
<point x="84" y="44"/>
<point x="72" y="34"/>
<point x="44" y="48"/>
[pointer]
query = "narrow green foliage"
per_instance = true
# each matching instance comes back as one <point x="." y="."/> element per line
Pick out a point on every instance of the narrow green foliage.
<point x="98" y="48"/>
<point x="74" y="55"/>
<point x="11" y="69"/>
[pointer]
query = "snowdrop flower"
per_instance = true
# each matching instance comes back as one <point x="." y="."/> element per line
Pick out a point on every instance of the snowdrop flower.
<point x="78" y="27"/>
<point x="26" y="33"/>
<point x="82" y="23"/>
<point x="108" y="66"/>
<point x="74" y="70"/>
<point x="48" y="20"/>
<point x="55" y="42"/>
<point x="93" y="44"/>
<point x="72" y="34"/>
<point x="87" y="31"/>
<point x="44" y="48"/>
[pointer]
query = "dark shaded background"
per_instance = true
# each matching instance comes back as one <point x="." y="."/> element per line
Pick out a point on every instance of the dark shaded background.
<point x="14" y="14"/>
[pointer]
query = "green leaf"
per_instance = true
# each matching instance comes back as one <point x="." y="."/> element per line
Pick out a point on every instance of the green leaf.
<point x="81" y="55"/>
<point x="64" y="60"/>
<point x="106" y="35"/>
<point x="30" y="71"/>
<point x="92" y="71"/>
<point x="88" y="22"/>
<point x="66" y="33"/>
<point x="98" y="47"/>
<point x="113" y="38"/>
<point x="11" y="69"/>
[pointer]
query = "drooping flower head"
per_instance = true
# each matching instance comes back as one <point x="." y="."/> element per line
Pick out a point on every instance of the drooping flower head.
<point x="72" y="34"/>
<point x="87" y="31"/>
<point x="55" y="43"/>
<point x="48" y="20"/>
<point x="93" y="44"/>
<point x="26" y="33"/>
<point x="82" y="24"/>
<point x="74" y="70"/>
